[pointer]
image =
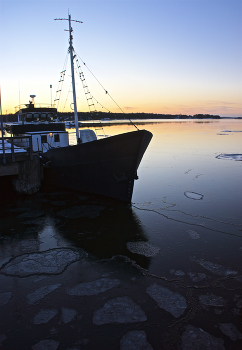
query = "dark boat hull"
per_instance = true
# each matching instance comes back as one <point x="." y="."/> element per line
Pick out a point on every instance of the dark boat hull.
<point x="105" y="167"/>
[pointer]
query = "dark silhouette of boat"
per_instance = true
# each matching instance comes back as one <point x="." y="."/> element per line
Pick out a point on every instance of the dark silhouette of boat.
<point x="106" y="166"/>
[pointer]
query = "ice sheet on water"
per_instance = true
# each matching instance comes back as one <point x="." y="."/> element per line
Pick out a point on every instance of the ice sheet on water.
<point x="193" y="234"/>
<point x="237" y="157"/>
<point x="168" y="300"/>
<point x="46" y="345"/>
<point x="195" y="338"/>
<point x="143" y="248"/>
<point x="40" y="293"/>
<point x="135" y="340"/>
<point x="193" y="195"/>
<point x="231" y="131"/>
<point x="2" y="338"/>
<point x="216" y="268"/>
<point x="53" y="261"/>
<point x="68" y="315"/>
<point x="211" y="300"/>
<point x="196" y="277"/>
<point x="44" y="316"/>
<point x="239" y="303"/>
<point x="177" y="272"/>
<point x="119" y="310"/>
<point x="94" y="287"/>
<point x="5" y="297"/>
<point x="231" y="331"/>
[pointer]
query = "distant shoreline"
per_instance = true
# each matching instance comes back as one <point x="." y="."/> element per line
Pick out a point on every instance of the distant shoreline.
<point x="121" y="117"/>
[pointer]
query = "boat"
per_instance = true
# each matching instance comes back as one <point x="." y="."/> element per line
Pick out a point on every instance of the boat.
<point x="106" y="166"/>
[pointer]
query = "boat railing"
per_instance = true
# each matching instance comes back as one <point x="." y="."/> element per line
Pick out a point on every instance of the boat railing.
<point x="36" y="105"/>
<point x="9" y="148"/>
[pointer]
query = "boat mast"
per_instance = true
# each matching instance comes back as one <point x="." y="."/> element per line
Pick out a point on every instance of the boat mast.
<point x="72" y="71"/>
<point x="73" y="79"/>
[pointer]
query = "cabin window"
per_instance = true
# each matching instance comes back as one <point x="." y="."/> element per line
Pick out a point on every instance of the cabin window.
<point x="44" y="139"/>
<point x="56" y="138"/>
<point x="49" y="116"/>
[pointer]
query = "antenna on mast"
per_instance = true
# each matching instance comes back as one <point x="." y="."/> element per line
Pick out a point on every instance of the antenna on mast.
<point x="70" y="30"/>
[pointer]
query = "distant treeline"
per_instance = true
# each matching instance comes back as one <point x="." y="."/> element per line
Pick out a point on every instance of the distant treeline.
<point x="132" y="116"/>
<point x="118" y="116"/>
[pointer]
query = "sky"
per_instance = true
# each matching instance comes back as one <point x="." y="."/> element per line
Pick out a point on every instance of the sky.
<point x="152" y="56"/>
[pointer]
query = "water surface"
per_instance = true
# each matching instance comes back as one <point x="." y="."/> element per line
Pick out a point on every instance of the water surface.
<point x="84" y="272"/>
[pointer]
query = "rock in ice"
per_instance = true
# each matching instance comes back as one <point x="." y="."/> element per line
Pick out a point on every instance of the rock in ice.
<point x="44" y="316"/>
<point x="168" y="300"/>
<point x="46" y="345"/>
<point x="40" y="293"/>
<point x="94" y="287"/>
<point x="231" y="331"/>
<point x="196" y="338"/>
<point x="53" y="261"/>
<point x="4" y="297"/>
<point x="135" y="340"/>
<point x="143" y="248"/>
<point x="119" y="310"/>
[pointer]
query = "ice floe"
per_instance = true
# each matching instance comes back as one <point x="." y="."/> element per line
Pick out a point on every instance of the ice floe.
<point x="90" y="211"/>
<point x="168" y="300"/>
<point x="5" y="297"/>
<point x="53" y="261"/>
<point x="119" y="310"/>
<point x="2" y="338"/>
<point x="58" y="203"/>
<point x="68" y="315"/>
<point x="237" y="157"/>
<point x="31" y="214"/>
<point x="193" y="195"/>
<point x="195" y="338"/>
<point x="196" y="277"/>
<point x="193" y="234"/>
<point x="211" y="300"/>
<point x="177" y="272"/>
<point x="44" y="316"/>
<point x="231" y="131"/>
<point x="231" y="331"/>
<point x="239" y="303"/>
<point x="94" y="287"/>
<point x="46" y="345"/>
<point x="143" y="248"/>
<point x="40" y="293"/>
<point x="135" y="340"/>
<point x="216" y="268"/>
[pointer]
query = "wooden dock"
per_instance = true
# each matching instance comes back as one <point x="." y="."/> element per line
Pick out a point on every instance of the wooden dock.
<point x="22" y="165"/>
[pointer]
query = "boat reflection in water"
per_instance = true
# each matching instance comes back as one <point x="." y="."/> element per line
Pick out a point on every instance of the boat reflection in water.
<point x="106" y="229"/>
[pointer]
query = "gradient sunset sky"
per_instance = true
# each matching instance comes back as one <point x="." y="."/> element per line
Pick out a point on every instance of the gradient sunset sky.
<point x="164" y="56"/>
